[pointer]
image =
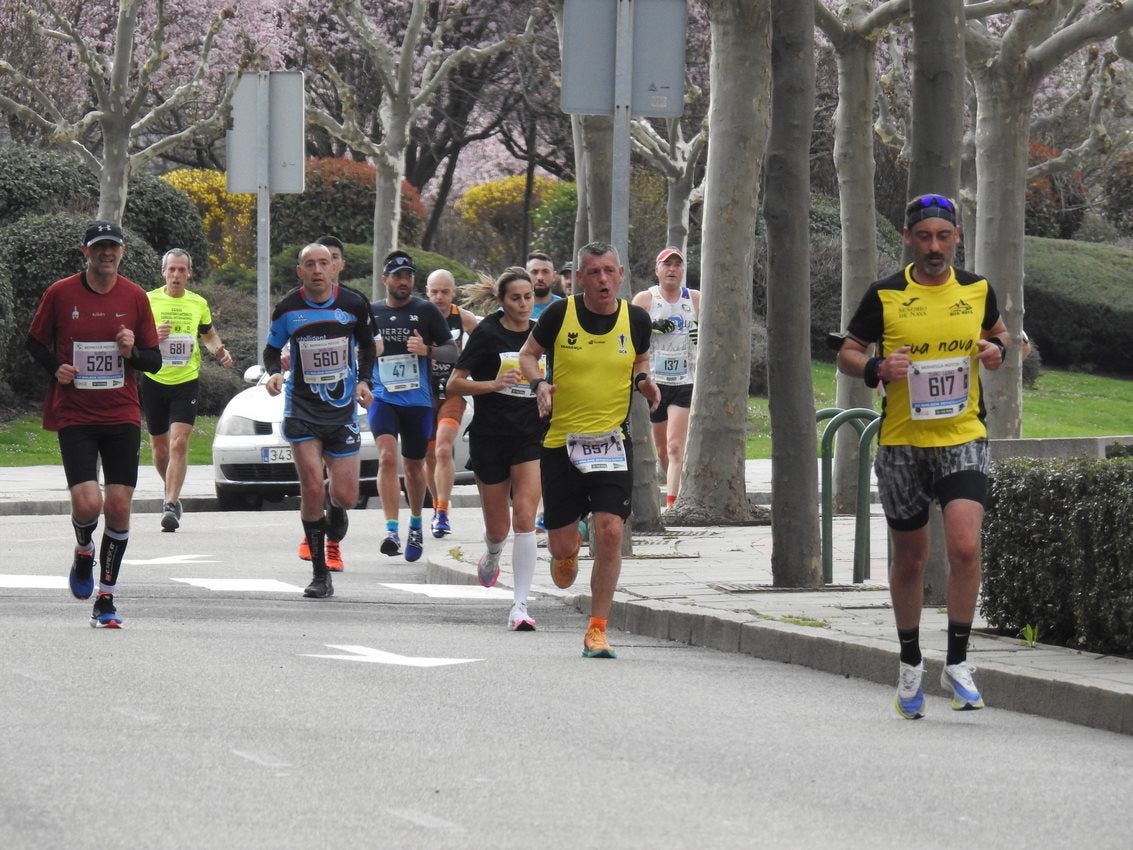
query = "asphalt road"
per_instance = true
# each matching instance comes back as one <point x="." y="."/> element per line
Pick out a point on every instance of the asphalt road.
<point x="250" y="717"/>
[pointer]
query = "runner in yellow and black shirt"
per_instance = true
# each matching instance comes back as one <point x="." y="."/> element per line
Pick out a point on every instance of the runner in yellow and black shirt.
<point x="934" y="327"/>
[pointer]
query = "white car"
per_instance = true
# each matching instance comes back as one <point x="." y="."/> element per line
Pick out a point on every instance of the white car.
<point x="252" y="462"/>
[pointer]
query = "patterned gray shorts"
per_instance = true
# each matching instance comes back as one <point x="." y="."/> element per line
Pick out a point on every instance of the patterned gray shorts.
<point x="909" y="477"/>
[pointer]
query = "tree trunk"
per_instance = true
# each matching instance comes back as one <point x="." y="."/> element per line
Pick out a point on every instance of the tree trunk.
<point x="390" y="168"/>
<point x="795" y="535"/>
<point x="853" y="158"/>
<point x="712" y="487"/>
<point x="677" y="206"/>
<point x="598" y="149"/>
<point x="1001" y="162"/>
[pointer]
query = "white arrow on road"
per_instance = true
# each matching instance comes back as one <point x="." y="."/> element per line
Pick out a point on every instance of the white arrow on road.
<point x="376" y="656"/>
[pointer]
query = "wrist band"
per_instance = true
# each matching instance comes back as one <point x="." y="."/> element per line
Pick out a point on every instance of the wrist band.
<point x="872" y="372"/>
<point x="535" y="384"/>
<point x="996" y="341"/>
<point x="638" y="378"/>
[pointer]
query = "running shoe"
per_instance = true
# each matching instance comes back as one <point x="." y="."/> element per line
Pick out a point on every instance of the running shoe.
<point x="321" y="587"/>
<point x="909" y="701"/>
<point x="957" y="678"/>
<point x="170" y="516"/>
<point x="81" y="577"/>
<point x="519" y="620"/>
<point x="414" y="544"/>
<point x="564" y="571"/>
<point x="540" y="526"/>
<point x="104" y="615"/>
<point x="338" y="522"/>
<point x="304" y="549"/>
<point x="440" y="526"/>
<point x="391" y="545"/>
<point x="177" y="508"/>
<point x="334" y="556"/>
<point x="595" y="645"/>
<point x="488" y="569"/>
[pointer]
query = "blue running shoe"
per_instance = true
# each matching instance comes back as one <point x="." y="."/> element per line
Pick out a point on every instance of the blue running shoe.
<point x="957" y="678"/>
<point x="104" y="615"/>
<point x="909" y="701"/>
<point x="414" y="544"/>
<point x="540" y="526"/>
<point x="81" y="577"/>
<point x="391" y="545"/>
<point x="440" y="526"/>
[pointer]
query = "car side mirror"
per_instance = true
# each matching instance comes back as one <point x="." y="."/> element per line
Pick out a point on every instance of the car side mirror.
<point x="253" y="374"/>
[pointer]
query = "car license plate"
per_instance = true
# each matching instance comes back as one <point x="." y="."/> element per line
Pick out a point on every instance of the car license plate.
<point x="277" y="454"/>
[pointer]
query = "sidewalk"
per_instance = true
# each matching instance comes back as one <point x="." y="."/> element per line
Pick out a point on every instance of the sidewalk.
<point x="713" y="587"/>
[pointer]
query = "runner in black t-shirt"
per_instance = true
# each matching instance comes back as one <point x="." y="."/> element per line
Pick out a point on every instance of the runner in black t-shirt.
<point x="505" y="436"/>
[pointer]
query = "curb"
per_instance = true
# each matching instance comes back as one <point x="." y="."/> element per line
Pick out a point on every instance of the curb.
<point x="1043" y="694"/>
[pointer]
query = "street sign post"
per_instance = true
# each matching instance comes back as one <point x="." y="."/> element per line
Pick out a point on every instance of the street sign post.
<point x="265" y="147"/>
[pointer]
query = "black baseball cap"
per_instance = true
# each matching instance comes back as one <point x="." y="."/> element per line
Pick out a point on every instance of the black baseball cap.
<point x="103" y="231"/>
<point x="396" y="261"/>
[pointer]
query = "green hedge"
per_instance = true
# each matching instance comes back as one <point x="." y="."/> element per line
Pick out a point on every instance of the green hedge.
<point x="1058" y="552"/>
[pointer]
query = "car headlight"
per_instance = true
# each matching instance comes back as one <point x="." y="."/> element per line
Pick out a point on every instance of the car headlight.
<point x="236" y="426"/>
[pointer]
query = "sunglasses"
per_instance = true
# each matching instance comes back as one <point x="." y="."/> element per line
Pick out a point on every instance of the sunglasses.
<point x="925" y="201"/>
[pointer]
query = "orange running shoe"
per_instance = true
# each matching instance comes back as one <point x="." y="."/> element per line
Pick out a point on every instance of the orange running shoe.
<point x="334" y="556"/>
<point x="564" y="571"/>
<point x="595" y="645"/>
<point x="304" y="549"/>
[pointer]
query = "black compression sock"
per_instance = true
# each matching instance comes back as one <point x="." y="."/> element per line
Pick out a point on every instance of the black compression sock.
<point x="910" y="640"/>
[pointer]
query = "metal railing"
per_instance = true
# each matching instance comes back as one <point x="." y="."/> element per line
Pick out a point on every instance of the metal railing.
<point x="866" y="432"/>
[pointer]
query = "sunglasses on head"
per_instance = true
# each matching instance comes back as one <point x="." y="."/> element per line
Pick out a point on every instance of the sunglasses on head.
<point x="926" y="201"/>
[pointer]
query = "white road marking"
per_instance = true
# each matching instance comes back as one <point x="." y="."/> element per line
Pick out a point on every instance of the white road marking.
<point x="425" y="820"/>
<point x="172" y="559"/>
<point x="453" y="591"/>
<point x="39" y="582"/>
<point x="242" y="585"/>
<point x="261" y="760"/>
<point x="376" y="656"/>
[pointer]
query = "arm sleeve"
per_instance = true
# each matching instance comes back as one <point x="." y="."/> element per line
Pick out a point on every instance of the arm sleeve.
<point x="364" y="337"/>
<point x="272" y="361"/>
<point x="42" y="355"/>
<point x="146" y="359"/>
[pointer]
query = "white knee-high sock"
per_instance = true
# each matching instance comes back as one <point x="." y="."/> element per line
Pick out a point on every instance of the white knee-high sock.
<point x="523" y="564"/>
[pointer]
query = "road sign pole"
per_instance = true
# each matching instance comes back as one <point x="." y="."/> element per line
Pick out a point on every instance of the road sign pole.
<point x="623" y="97"/>
<point x="263" y="207"/>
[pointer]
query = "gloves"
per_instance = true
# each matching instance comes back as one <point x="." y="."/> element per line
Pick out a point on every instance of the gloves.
<point x="664" y="326"/>
<point x="694" y="334"/>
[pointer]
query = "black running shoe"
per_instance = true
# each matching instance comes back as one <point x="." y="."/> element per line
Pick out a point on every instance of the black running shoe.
<point x="170" y="517"/>
<point x="320" y="587"/>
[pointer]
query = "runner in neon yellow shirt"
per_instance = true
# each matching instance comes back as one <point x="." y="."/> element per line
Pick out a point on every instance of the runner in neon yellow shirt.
<point x="169" y="397"/>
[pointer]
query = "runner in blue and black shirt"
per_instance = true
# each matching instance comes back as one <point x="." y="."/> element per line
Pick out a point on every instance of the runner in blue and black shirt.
<point x="330" y="335"/>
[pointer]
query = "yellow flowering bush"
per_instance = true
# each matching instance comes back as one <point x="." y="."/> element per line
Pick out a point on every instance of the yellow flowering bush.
<point x="229" y="220"/>
<point x="493" y="212"/>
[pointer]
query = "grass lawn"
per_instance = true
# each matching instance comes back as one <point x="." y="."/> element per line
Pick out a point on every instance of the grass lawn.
<point x="1062" y="404"/>
<point x="23" y="442"/>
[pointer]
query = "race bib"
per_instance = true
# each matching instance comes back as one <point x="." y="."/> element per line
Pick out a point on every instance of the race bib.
<point x="100" y="366"/>
<point x="176" y="349"/>
<point x="510" y="360"/>
<point x="597" y="452"/>
<point x="938" y="389"/>
<point x="669" y="366"/>
<point x="399" y="372"/>
<point x="325" y="361"/>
